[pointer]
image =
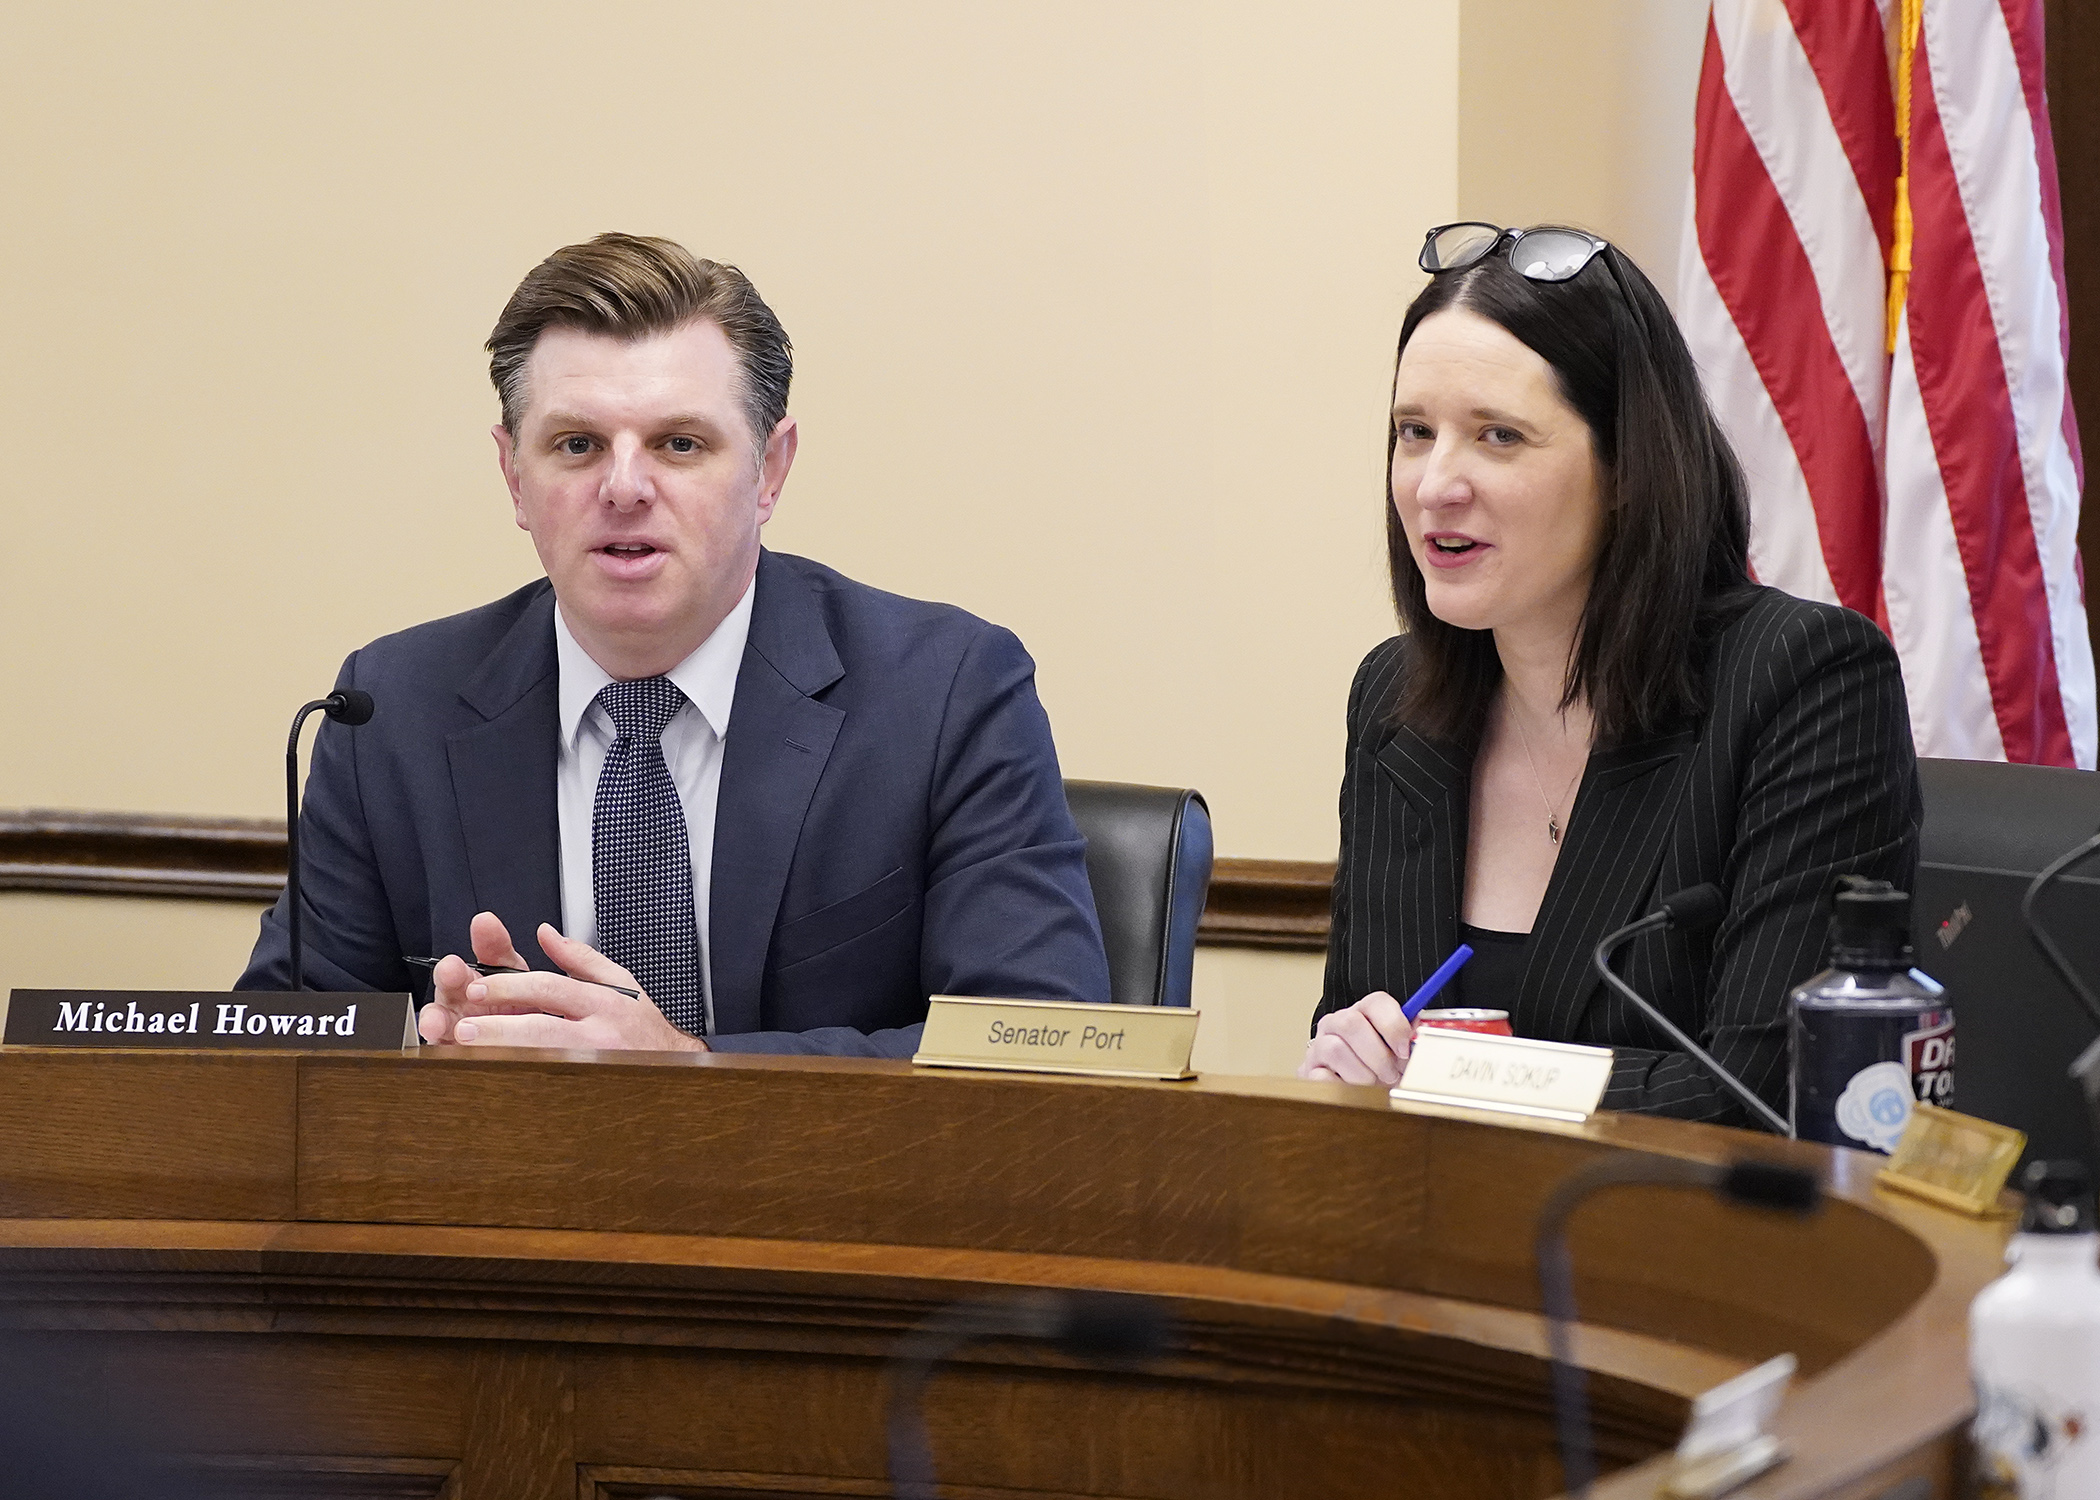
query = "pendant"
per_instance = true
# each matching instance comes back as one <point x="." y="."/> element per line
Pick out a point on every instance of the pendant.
<point x="1553" y="831"/>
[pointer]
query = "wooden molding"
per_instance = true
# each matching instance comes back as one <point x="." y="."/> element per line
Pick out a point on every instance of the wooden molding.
<point x="1279" y="904"/>
<point x="142" y="854"/>
<point x="1268" y="903"/>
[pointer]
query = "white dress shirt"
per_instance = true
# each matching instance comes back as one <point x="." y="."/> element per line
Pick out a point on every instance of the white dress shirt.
<point x="692" y="746"/>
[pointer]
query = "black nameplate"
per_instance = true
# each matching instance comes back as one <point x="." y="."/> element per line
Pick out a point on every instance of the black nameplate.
<point x="252" y="1020"/>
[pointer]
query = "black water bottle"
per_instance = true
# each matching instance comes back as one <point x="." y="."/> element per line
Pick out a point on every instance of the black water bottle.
<point x="1871" y="1034"/>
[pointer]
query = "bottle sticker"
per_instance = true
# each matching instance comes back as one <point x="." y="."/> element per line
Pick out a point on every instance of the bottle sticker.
<point x="2025" y="1441"/>
<point x="1876" y="1105"/>
<point x="1929" y="1054"/>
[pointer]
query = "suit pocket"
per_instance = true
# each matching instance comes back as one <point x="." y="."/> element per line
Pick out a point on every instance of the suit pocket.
<point x="842" y="921"/>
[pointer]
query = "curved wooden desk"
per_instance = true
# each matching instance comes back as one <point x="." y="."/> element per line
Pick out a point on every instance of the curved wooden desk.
<point x="507" y="1276"/>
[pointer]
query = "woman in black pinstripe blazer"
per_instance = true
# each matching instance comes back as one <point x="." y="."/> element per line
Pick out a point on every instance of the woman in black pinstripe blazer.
<point x="1593" y="706"/>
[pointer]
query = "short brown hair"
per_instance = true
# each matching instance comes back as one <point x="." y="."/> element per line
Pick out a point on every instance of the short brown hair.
<point x="631" y="286"/>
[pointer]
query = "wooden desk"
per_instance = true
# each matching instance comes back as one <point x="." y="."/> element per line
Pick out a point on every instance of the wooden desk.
<point x="521" y="1275"/>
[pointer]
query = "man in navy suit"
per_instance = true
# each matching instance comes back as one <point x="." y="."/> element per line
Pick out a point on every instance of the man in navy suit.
<point x="785" y="805"/>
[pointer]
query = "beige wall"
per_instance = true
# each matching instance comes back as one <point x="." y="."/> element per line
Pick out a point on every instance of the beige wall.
<point x="1094" y="307"/>
<point x="1093" y="302"/>
<point x="1581" y="113"/>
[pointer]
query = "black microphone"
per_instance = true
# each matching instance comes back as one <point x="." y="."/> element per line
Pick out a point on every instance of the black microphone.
<point x="1106" y="1328"/>
<point x="2085" y="1068"/>
<point x="351" y="706"/>
<point x="1768" y="1185"/>
<point x="1693" y="910"/>
<point x="2040" y="934"/>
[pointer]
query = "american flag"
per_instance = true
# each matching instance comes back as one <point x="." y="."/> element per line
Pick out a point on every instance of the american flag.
<point x="1873" y="284"/>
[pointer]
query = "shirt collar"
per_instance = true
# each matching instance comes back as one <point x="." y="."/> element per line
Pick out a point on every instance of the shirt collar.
<point x="707" y="677"/>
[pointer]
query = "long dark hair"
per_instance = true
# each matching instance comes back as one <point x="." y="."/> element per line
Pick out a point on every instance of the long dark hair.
<point x="1676" y="534"/>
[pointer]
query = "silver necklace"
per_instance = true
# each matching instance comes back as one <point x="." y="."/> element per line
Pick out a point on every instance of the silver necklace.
<point x="1552" y="811"/>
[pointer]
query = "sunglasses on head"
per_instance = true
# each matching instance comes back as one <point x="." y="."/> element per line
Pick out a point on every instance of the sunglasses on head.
<point x="1535" y="254"/>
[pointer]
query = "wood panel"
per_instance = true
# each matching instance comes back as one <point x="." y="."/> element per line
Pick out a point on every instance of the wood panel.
<point x="326" y="1478"/>
<point x="1254" y="903"/>
<point x="530" y="1275"/>
<point x="139" y="1135"/>
<point x="762" y="1149"/>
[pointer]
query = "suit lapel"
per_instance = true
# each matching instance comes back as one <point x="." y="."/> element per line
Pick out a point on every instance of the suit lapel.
<point x="1428" y="851"/>
<point x="503" y="774"/>
<point x="779" y="740"/>
<point x="1602" y="880"/>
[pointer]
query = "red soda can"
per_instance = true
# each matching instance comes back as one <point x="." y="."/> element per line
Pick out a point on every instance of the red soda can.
<point x="1464" y="1018"/>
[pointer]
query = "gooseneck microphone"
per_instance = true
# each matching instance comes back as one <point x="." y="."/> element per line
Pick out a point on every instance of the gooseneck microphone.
<point x="2054" y="871"/>
<point x="1753" y="1183"/>
<point x="350" y="706"/>
<point x="1105" y="1328"/>
<point x="1692" y="910"/>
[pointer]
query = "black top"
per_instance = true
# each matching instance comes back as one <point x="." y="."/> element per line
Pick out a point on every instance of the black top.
<point x="1800" y="770"/>
<point x="1489" y="979"/>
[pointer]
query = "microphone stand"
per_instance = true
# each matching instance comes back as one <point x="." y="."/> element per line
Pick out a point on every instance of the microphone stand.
<point x="1600" y="960"/>
<point x="2085" y="1069"/>
<point x="349" y="706"/>
<point x="1759" y="1184"/>
<point x="2040" y="934"/>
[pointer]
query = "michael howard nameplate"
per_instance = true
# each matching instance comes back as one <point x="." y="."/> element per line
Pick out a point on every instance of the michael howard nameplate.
<point x="251" y="1020"/>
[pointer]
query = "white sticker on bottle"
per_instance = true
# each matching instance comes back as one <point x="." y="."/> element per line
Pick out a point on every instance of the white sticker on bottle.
<point x="1876" y="1105"/>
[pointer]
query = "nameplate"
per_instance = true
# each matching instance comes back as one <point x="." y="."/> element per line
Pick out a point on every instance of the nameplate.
<point x="250" y="1020"/>
<point x="1725" y="1444"/>
<point x="1513" y="1074"/>
<point x="1954" y="1160"/>
<point x="1058" y="1036"/>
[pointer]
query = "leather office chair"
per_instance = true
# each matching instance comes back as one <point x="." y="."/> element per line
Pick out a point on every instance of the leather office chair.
<point x="1148" y="857"/>
<point x="1988" y="828"/>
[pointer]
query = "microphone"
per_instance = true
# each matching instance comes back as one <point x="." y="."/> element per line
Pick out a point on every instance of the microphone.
<point x="2085" y="1068"/>
<point x="1749" y="1181"/>
<point x="1693" y="910"/>
<point x="1107" y="1328"/>
<point x="351" y="706"/>
<point x="2040" y="934"/>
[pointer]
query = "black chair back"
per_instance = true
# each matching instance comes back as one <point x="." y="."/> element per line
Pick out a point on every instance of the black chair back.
<point x="1989" y="828"/>
<point x="1148" y="857"/>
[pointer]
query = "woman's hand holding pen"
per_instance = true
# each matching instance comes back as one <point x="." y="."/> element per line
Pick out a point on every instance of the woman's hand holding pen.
<point x="578" y="1010"/>
<point x="1367" y="1043"/>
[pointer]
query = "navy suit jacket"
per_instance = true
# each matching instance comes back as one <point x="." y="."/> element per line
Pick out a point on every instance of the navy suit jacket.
<point x="891" y="821"/>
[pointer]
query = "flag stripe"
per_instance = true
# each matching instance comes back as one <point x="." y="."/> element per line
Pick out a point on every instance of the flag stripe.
<point x="1785" y="547"/>
<point x="1766" y="283"/>
<point x="1927" y="588"/>
<point x="1968" y="407"/>
<point x="1779" y="98"/>
<point x="1991" y="143"/>
<point x="2023" y="23"/>
<point x="1848" y="49"/>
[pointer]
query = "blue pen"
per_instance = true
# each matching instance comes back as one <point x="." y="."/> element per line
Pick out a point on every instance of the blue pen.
<point x="1436" y="981"/>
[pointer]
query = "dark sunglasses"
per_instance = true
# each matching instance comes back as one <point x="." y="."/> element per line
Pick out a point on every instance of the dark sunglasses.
<point x="1536" y="254"/>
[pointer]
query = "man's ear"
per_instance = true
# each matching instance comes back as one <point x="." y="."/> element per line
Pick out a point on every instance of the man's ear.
<point x="773" y="468"/>
<point x="507" y="461"/>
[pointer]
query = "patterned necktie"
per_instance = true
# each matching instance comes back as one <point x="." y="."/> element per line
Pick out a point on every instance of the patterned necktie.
<point x="641" y="865"/>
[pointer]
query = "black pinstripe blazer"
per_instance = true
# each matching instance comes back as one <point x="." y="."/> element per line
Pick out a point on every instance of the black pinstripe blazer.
<point x="1801" y="770"/>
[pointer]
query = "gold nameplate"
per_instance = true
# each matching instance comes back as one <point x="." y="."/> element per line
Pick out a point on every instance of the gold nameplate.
<point x="1955" y="1160"/>
<point x="1058" y="1036"/>
<point x="1516" y="1075"/>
